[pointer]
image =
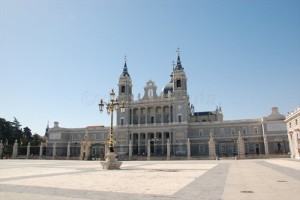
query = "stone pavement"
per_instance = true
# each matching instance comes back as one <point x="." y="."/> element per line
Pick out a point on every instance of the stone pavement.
<point x="189" y="179"/>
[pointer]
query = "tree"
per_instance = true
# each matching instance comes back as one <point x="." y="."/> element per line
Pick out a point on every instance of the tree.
<point x="27" y="136"/>
<point x="5" y="130"/>
<point x="17" y="133"/>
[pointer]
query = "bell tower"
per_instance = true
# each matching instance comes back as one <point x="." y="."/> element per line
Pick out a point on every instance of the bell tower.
<point x="180" y="96"/>
<point x="179" y="79"/>
<point x="125" y="85"/>
<point x="125" y="94"/>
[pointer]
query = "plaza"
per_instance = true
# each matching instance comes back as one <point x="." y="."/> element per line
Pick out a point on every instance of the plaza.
<point x="192" y="179"/>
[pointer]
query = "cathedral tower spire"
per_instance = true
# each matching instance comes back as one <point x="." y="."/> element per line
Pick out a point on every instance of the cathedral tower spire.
<point x="178" y="64"/>
<point x="125" y="69"/>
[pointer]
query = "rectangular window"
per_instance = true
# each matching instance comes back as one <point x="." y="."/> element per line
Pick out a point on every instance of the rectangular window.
<point x="200" y="132"/>
<point x="94" y="136"/>
<point x="255" y="130"/>
<point x="179" y="118"/>
<point x="244" y="130"/>
<point x="232" y="131"/>
<point x="152" y="120"/>
<point x="122" y="122"/>
<point x="246" y="148"/>
<point x="234" y="149"/>
<point x="223" y="149"/>
<point x="201" y="149"/>
<point x="167" y="135"/>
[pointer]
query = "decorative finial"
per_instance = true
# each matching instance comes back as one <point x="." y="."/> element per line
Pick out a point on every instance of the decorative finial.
<point x="125" y="58"/>
<point x="178" y="51"/>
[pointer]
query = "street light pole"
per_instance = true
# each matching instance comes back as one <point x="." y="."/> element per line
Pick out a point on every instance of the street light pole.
<point x="111" y="106"/>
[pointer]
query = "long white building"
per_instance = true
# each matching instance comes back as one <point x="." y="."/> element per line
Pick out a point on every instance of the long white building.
<point x="166" y="117"/>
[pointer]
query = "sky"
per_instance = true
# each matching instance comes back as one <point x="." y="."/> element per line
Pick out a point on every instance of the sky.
<point x="58" y="58"/>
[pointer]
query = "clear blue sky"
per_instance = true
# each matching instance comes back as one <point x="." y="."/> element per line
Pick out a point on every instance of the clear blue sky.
<point x="58" y="58"/>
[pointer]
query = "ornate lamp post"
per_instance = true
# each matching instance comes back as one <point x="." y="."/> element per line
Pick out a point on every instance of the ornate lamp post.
<point x="113" y="105"/>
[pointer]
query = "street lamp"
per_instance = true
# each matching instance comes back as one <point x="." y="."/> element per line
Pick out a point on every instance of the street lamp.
<point x="113" y="105"/>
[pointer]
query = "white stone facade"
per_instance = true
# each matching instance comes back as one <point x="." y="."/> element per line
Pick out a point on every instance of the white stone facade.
<point x="164" y="124"/>
<point x="293" y="130"/>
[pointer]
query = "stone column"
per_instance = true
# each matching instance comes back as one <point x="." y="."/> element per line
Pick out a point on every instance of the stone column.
<point x="146" y="137"/>
<point x="15" y="149"/>
<point x="139" y="116"/>
<point x="168" y="149"/>
<point x="139" y="143"/>
<point x="241" y="147"/>
<point x="131" y="116"/>
<point x="188" y="145"/>
<point x="266" y="146"/>
<point x="106" y="150"/>
<point x="162" y="142"/>
<point x="127" y="138"/>
<point x="41" y="150"/>
<point x="146" y="117"/>
<point x="169" y="114"/>
<point x="28" y="150"/>
<point x="212" y="147"/>
<point x="162" y="115"/>
<point x="154" y="108"/>
<point x="1" y="149"/>
<point x="291" y="145"/>
<point x="154" y="143"/>
<point x="68" y="150"/>
<point x="148" y="150"/>
<point x="54" y="150"/>
<point x="130" y="150"/>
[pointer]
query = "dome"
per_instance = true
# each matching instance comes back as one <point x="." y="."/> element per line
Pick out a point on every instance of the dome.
<point x="168" y="87"/>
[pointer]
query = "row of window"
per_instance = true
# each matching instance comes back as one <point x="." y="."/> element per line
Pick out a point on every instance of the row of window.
<point x="296" y="123"/>
<point x="233" y="131"/>
<point x="225" y="149"/>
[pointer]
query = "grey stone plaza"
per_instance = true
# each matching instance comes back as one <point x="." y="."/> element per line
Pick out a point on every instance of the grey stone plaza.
<point x="193" y="179"/>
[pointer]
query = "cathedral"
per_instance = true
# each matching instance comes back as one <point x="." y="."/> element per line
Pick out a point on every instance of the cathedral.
<point x="164" y="125"/>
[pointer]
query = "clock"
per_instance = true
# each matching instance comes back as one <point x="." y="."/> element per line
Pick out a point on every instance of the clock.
<point x="179" y="107"/>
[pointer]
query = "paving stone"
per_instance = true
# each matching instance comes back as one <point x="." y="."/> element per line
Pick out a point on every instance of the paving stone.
<point x="149" y="180"/>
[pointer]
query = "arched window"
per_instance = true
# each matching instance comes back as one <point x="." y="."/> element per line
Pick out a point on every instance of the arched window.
<point x="178" y="83"/>
<point x="122" y="89"/>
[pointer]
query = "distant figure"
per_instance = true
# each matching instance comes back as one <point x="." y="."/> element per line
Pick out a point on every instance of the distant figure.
<point x="279" y="146"/>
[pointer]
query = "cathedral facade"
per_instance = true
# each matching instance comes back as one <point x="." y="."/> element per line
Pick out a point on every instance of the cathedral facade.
<point x="164" y="124"/>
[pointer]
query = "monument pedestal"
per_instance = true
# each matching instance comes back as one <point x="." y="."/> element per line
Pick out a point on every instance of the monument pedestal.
<point x="111" y="161"/>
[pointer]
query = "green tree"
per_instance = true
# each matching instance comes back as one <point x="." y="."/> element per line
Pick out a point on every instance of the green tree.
<point x="5" y="130"/>
<point x="17" y="133"/>
<point x="26" y="136"/>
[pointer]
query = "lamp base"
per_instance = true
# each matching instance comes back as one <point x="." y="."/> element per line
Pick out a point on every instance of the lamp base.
<point x="111" y="161"/>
